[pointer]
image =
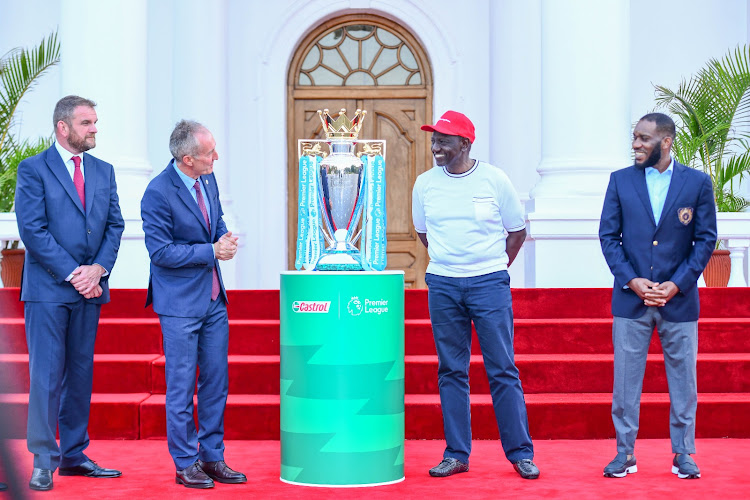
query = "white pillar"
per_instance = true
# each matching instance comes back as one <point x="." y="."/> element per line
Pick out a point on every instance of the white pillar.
<point x="103" y="58"/>
<point x="515" y="99"/>
<point x="585" y="136"/>
<point x="199" y="92"/>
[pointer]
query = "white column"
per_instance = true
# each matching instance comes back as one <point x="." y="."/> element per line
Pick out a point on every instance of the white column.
<point x="515" y="80"/>
<point x="199" y="92"/>
<point x="103" y="59"/>
<point x="585" y="136"/>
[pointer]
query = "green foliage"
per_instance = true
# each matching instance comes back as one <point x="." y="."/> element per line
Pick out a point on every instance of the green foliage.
<point x="20" y="70"/>
<point x="713" y="126"/>
<point x="10" y="167"/>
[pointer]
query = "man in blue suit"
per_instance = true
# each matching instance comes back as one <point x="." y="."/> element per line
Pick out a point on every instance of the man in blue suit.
<point x="657" y="231"/>
<point x="186" y="237"/>
<point x="69" y="220"/>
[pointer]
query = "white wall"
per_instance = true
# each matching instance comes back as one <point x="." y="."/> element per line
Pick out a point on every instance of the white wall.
<point x="485" y="56"/>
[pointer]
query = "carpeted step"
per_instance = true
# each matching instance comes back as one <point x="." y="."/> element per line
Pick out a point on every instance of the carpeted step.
<point x="243" y="304"/>
<point x="113" y="416"/>
<point x="584" y="416"/>
<point x="585" y="373"/>
<point x="540" y="373"/>
<point x="551" y="416"/>
<point x="246" y="417"/>
<point x="247" y="375"/>
<point x="113" y="373"/>
<point x="532" y="336"/>
<point x="585" y="335"/>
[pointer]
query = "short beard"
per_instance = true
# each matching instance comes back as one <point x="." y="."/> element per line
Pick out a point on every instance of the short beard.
<point x="653" y="159"/>
<point x="80" y="143"/>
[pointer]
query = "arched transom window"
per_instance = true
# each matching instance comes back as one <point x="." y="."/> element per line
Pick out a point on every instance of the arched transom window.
<point x="359" y="55"/>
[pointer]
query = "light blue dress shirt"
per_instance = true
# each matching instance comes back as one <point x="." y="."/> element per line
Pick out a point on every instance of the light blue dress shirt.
<point x="658" y="186"/>
<point x="190" y="184"/>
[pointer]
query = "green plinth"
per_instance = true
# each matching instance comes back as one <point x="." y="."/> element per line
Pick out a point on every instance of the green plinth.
<point x="342" y="378"/>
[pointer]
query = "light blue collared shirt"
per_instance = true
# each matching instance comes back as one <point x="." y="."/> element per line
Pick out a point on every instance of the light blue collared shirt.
<point x="658" y="186"/>
<point x="190" y="184"/>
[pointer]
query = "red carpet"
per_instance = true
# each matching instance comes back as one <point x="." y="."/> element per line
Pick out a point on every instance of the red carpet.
<point x="569" y="469"/>
<point x="562" y="341"/>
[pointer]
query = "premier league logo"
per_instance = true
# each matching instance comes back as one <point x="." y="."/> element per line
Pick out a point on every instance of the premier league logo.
<point x="354" y="306"/>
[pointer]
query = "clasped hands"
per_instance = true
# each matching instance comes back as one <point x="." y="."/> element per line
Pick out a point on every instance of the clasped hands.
<point x="226" y="247"/>
<point x="653" y="294"/>
<point x="86" y="280"/>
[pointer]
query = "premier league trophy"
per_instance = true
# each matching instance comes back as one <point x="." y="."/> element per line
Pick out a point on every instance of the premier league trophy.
<point x="337" y="186"/>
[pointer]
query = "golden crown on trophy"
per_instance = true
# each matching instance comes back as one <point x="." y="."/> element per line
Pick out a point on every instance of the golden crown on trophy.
<point x="342" y="127"/>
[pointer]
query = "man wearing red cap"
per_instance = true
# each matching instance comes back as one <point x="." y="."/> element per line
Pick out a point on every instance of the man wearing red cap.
<point x="472" y="219"/>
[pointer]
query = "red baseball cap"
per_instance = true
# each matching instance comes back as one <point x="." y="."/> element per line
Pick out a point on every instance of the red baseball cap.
<point x="453" y="123"/>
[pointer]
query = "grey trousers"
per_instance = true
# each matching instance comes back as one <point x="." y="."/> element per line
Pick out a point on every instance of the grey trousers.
<point x="679" y="341"/>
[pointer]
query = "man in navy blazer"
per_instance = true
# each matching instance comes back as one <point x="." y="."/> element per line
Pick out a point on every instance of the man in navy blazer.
<point x="657" y="231"/>
<point x="186" y="237"/>
<point x="69" y="220"/>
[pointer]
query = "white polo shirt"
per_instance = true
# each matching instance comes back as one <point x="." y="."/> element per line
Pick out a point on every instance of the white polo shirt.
<point x="467" y="218"/>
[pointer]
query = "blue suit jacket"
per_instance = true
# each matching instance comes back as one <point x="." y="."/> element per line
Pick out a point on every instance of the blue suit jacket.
<point x="677" y="249"/>
<point x="180" y="245"/>
<point x="56" y="231"/>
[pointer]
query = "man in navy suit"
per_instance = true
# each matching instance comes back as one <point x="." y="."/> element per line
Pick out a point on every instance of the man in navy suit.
<point x="657" y="231"/>
<point x="186" y="237"/>
<point x="69" y="220"/>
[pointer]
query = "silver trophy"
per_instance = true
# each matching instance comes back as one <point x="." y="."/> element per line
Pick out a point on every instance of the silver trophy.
<point x="338" y="194"/>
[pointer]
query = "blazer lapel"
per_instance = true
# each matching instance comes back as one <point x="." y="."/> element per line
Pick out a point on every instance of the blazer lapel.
<point x="639" y="184"/>
<point x="185" y="196"/>
<point x="58" y="168"/>
<point x="89" y="180"/>
<point x="675" y="186"/>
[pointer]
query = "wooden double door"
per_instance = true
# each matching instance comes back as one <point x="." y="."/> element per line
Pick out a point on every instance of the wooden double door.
<point x="398" y="122"/>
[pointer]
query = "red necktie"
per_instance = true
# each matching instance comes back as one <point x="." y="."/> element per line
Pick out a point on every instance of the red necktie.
<point x="215" y="288"/>
<point x="78" y="180"/>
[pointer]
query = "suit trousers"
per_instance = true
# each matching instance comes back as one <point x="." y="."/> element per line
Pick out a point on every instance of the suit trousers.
<point x="189" y="344"/>
<point x="679" y="341"/>
<point x="60" y="338"/>
<point x="486" y="300"/>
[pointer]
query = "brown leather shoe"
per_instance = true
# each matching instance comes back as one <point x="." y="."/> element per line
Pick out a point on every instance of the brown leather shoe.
<point x="220" y="471"/>
<point x="193" y="477"/>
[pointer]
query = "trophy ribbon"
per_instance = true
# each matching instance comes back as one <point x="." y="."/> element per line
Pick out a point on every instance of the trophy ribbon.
<point x="308" y="214"/>
<point x="375" y="242"/>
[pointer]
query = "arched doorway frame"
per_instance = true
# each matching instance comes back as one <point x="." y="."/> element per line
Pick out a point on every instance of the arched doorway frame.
<point x="409" y="254"/>
<point x="264" y="260"/>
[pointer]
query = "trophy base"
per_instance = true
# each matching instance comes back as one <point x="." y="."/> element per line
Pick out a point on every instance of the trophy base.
<point x="339" y="261"/>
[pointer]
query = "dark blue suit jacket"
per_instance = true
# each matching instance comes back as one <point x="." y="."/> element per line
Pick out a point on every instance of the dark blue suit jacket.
<point x="180" y="245"/>
<point x="676" y="250"/>
<point x="58" y="235"/>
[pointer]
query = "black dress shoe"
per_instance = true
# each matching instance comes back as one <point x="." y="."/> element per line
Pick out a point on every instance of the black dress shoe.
<point x="220" y="471"/>
<point x="193" y="476"/>
<point x="448" y="467"/>
<point x="526" y="469"/>
<point x="89" y="469"/>
<point x="41" y="480"/>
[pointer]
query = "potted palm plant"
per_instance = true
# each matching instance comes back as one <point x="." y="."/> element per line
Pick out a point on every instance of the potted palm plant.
<point x="713" y="133"/>
<point x="20" y="69"/>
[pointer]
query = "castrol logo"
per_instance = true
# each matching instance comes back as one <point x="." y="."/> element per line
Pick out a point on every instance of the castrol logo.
<point x="311" y="306"/>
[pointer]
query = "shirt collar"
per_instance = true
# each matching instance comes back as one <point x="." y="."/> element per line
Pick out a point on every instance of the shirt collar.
<point x="189" y="181"/>
<point x="670" y="168"/>
<point x="65" y="154"/>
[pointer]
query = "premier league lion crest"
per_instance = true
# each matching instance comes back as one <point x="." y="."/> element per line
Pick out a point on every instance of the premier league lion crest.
<point x="685" y="215"/>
